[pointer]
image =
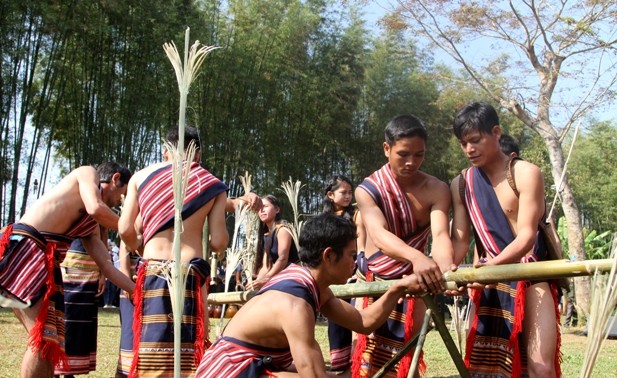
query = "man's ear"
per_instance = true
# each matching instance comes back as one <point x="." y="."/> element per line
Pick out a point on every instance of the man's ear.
<point x="386" y="149"/>
<point x="115" y="179"/>
<point x="327" y="253"/>
<point x="497" y="131"/>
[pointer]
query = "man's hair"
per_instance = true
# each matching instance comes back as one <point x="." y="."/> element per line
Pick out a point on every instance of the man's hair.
<point x="509" y="145"/>
<point x="323" y="231"/>
<point x="108" y="169"/>
<point x="480" y="116"/>
<point x="404" y="126"/>
<point x="190" y="134"/>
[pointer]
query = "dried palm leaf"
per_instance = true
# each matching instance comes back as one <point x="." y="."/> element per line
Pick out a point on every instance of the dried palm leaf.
<point x="292" y="190"/>
<point x="601" y="316"/>
<point x="186" y="71"/>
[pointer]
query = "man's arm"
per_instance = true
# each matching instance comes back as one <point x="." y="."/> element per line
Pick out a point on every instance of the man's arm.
<point x="97" y="250"/>
<point x="251" y="199"/>
<point x="88" y="181"/>
<point x="299" y="328"/>
<point x="461" y="224"/>
<point x="368" y="319"/>
<point x="130" y="212"/>
<point x="216" y="224"/>
<point x="441" y="249"/>
<point x="530" y="184"/>
<point x="377" y="230"/>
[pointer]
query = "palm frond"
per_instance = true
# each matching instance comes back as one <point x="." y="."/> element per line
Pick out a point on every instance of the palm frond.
<point x="292" y="190"/>
<point x="601" y="315"/>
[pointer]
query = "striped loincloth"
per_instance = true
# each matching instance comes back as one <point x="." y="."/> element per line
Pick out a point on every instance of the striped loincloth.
<point x="153" y="320"/>
<point x="80" y="276"/>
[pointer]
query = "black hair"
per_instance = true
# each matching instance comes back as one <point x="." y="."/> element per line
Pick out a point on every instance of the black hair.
<point x="322" y="231"/>
<point x="328" y="205"/>
<point x="108" y="169"/>
<point x="404" y="126"/>
<point x="509" y="145"/>
<point x="262" y="231"/>
<point x="479" y="116"/>
<point x="190" y="134"/>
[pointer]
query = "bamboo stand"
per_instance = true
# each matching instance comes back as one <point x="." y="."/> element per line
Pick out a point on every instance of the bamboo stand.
<point x="487" y="274"/>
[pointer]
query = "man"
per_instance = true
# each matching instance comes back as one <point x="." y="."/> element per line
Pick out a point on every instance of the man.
<point x="278" y="325"/>
<point x="31" y="251"/>
<point x="150" y="202"/>
<point x="401" y="207"/>
<point x="509" y="146"/>
<point x="515" y="318"/>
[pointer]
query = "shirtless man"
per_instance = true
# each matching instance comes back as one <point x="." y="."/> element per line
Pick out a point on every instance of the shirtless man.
<point x="31" y="252"/>
<point x="401" y="207"/>
<point x="506" y="229"/>
<point x="150" y="202"/>
<point x="278" y="325"/>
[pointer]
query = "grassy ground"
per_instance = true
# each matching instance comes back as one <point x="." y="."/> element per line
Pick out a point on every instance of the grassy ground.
<point x="13" y="336"/>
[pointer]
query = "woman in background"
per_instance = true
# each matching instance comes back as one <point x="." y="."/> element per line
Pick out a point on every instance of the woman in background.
<point x="338" y="200"/>
<point x="276" y="248"/>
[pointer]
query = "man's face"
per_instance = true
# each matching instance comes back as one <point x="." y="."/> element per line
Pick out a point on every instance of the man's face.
<point x="346" y="265"/>
<point x="113" y="191"/>
<point x="480" y="148"/>
<point x="405" y="156"/>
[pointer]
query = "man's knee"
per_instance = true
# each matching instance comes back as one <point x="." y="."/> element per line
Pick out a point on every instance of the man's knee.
<point x="541" y="369"/>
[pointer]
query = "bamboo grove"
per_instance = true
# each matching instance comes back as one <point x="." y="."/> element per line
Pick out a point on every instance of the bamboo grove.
<point x="299" y="89"/>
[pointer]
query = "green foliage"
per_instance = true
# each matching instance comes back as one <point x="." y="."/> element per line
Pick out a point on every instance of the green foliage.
<point x="593" y="175"/>
<point x="597" y="245"/>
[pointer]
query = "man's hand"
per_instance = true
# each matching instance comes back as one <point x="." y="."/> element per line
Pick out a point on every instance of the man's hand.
<point x="101" y="288"/>
<point x="429" y="274"/>
<point x="458" y="291"/>
<point x="257" y="284"/>
<point x="253" y="201"/>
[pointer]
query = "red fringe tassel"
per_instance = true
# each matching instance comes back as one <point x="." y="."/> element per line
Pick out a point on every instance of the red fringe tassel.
<point x="47" y="350"/>
<point x="356" y="358"/>
<point x="201" y="321"/>
<point x="405" y="362"/>
<point x="517" y="327"/>
<point x="6" y="237"/>
<point x="475" y="299"/>
<point x="138" y="302"/>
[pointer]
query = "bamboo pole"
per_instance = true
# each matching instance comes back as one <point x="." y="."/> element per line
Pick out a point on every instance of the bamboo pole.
<point x="446" y="337"/>
<point x="542" y="270"/>
<point x="414" y="342"/>
<point x="416" y="354"/>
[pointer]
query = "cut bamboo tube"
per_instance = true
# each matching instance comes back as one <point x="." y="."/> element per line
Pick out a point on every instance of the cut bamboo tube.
<point x="543" y="270"/>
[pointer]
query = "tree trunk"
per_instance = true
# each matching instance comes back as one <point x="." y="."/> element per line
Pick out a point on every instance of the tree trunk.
<point x="576" y="244"/>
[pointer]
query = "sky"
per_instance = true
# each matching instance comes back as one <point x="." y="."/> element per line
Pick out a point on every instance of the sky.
<point x="567" y="88"/>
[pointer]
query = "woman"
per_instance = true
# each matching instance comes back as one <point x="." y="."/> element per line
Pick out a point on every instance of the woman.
<point x="338" y="195"/>
<point x="276" y="248"/>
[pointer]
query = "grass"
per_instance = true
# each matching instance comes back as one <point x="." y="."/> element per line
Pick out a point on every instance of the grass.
<point x="439" y="364"/>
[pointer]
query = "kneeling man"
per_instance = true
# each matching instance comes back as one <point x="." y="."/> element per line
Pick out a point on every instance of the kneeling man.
<point x="277" y="326"/>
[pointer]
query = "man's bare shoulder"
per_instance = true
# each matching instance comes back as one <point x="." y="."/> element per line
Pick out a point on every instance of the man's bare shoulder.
<point x="143" y="173"/>
<point x="524" y="171"/>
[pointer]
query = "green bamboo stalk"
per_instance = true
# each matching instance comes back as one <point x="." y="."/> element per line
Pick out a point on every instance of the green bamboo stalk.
<point x="415" y="341"/>
<point x="486" y="274"/>
<point x="446" y="337"/>
<point x="416" y="354"/>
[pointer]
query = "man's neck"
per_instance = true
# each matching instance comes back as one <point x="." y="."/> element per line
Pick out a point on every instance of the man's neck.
<point x="496" y="166"/>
